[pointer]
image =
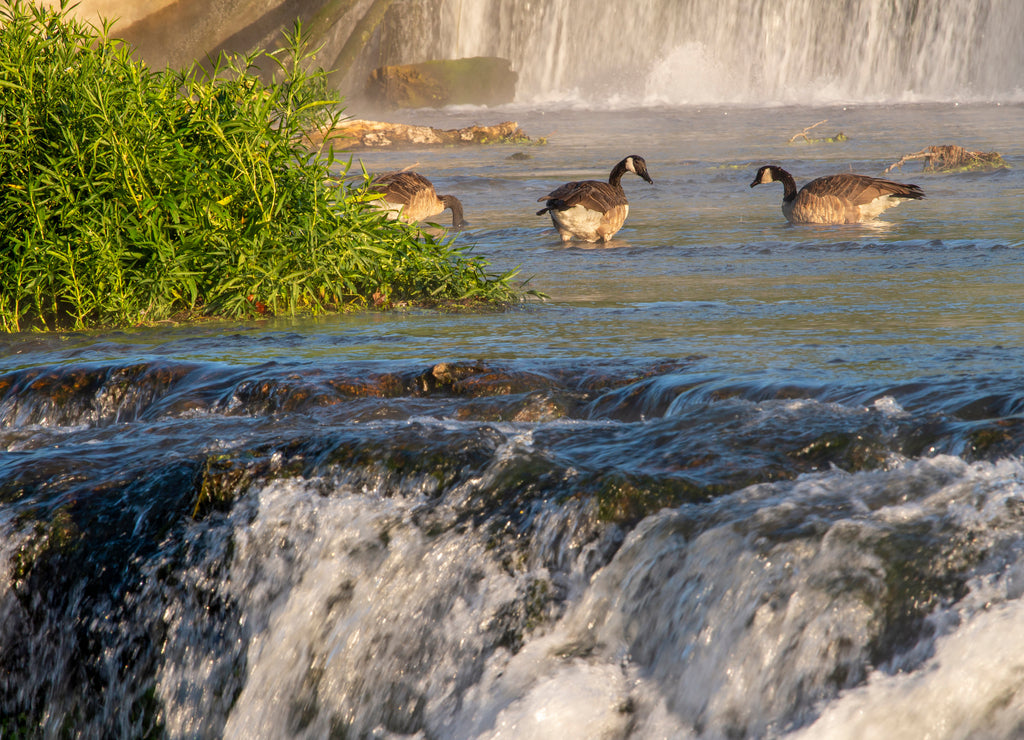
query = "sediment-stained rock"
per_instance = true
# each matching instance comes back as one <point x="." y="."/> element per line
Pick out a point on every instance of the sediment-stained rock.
<point x="362" y="134"/>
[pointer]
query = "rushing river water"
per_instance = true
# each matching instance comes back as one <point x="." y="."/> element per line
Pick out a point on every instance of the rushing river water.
<point x="731" y="479"/>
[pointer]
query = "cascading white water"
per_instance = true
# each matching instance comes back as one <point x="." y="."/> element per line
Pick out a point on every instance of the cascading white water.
<point x="675" y="52"/>
<point x="351" y="618"/>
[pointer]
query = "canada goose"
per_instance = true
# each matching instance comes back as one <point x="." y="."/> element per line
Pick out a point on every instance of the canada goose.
<point x="592" y="210"/>
<point x="411" y="197"/>
<point x="836" y="199"/>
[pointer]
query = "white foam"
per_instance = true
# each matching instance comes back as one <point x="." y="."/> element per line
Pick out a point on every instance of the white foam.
<point x="578" y="701"/>
<point x="889" y="406"/>
<point x="973" y="687"/>
<point x="735" y="627"/>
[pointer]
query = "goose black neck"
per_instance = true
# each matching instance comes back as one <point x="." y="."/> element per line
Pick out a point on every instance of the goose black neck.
<point x="788" y="183"/>
<point x="450" y="201"/>
<point x="615" y="178"/>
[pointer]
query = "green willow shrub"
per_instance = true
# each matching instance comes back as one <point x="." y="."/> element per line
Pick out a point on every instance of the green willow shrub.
<point x="129" y="196"/>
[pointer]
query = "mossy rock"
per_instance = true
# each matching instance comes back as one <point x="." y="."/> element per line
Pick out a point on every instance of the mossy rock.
<point x="434" y="84"/>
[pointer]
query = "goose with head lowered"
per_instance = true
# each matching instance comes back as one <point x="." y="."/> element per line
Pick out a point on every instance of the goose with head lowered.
<point x="836" y="199"/>
<point x="411" y="197"/>
<point x="591" y="210"/>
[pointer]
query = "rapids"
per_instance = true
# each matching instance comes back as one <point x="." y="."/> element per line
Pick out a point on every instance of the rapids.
<point x="732" y="478"/>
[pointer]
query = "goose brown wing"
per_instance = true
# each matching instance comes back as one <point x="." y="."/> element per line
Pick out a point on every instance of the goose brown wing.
<point x="860" y="189"/>
<point x="401" y="187"/>
<point x="591" y="194"/>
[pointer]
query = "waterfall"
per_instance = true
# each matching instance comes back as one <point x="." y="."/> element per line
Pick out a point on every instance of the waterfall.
<point x="600" y="53"/>
<point x="680" y="52"/>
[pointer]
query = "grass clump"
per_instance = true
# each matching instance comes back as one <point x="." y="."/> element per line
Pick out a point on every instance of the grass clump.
<point x="130" y="196"/>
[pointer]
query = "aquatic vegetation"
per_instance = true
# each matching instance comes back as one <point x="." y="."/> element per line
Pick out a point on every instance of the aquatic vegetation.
<point x="838" y="138"/>
<point x="132" y="196"/>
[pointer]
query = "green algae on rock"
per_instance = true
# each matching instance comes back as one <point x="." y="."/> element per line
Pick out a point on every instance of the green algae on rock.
<point x="437" y="83"/>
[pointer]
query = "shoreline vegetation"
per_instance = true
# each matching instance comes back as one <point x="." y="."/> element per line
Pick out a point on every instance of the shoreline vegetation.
<point x="130" y="196"/>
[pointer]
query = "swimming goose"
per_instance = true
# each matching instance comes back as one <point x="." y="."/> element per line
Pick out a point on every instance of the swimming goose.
<point x="836" y="199"/>
<point x="411" y="197"/>
<point x="592" y="210"/>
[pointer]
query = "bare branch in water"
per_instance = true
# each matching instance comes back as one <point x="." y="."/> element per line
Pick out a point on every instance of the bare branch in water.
<point x="950" y="157"/>
<point x="804" y="133"/>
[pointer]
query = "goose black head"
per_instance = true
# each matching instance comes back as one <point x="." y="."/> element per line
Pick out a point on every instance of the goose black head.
<point x="764" y="175"/>
<point x="638" y="166"/>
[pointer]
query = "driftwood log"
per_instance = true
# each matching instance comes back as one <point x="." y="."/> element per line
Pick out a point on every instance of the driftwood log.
<point x="360" y="134"/>
<point x="949" y="157"/>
